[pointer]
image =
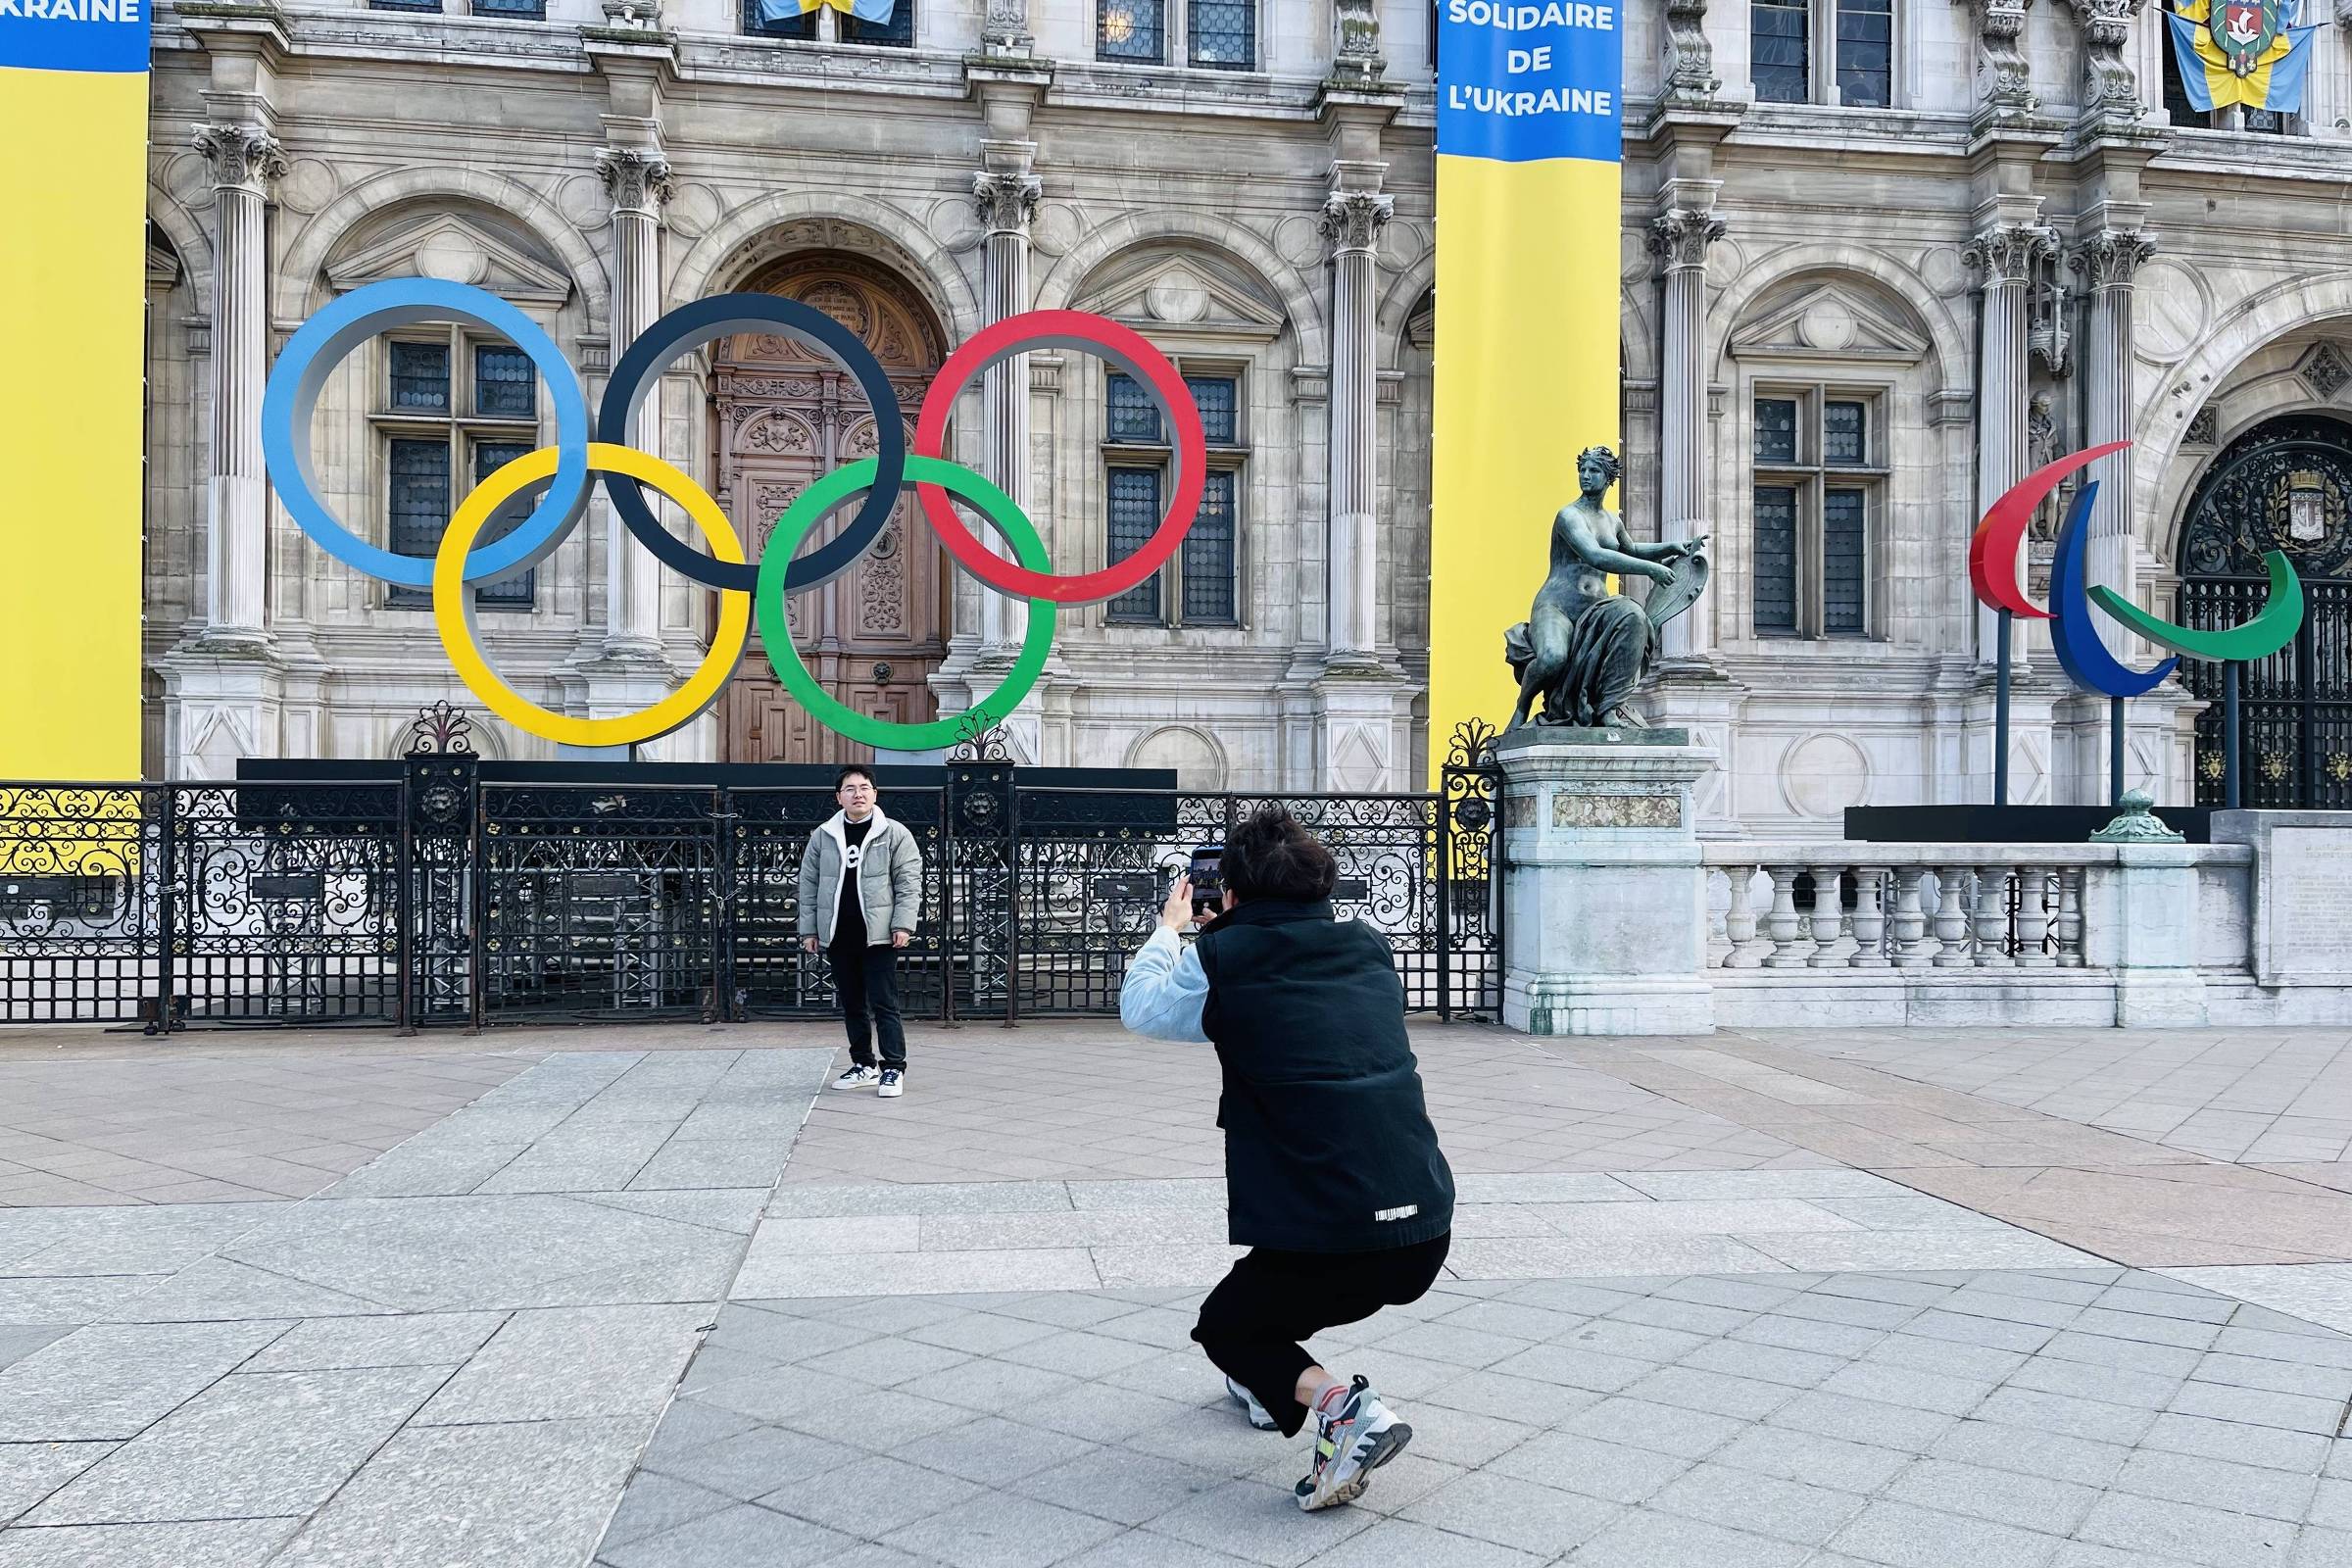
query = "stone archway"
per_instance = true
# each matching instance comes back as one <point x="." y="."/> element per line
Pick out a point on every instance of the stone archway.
<point x="2285" y="485"/>
<point x="781" y="417"/>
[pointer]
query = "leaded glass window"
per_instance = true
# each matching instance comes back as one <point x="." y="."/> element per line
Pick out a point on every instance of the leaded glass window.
<point x="1776" y="559"/>
<point x="1776" y="429"/>
<point x="1132" y="31"/>
<point x="1216" y="398"/>
<point x="416" y="507"/>
<point x="488" y="458"/>
<point x="1864" y="53"/>
<point x="1224" y="33"/>
<point x="1208" y="598"/>
<point x="1844" y="513"/>
<point x="1818" y="483"/>
<point x="420" y="376"/>
<point x="1133" y="416"/>
<point x="506" y="386"/>
<point x="512" y="10"/>
<point x="1134" y="518"/>
<point x="1779" y="49"/>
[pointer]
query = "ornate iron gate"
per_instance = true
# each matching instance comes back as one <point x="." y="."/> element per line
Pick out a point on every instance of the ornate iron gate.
<point x="2286" y="485"/>
<point x="446" y="898"/>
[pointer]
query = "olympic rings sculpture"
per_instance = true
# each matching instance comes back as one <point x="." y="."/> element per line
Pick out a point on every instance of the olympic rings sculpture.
<point x="581" y="457"/>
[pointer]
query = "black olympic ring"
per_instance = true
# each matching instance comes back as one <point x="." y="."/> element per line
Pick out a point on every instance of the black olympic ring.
<point x="723" y="315"/>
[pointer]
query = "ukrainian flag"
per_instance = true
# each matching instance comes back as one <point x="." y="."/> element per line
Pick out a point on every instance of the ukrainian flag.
<point x="874" y="11"/>
<point x="2274" y="83"/>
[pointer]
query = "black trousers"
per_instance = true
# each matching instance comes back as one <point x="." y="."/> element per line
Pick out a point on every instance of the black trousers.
<point x="1251" y="1323"/>
<point x="866" y="979"/>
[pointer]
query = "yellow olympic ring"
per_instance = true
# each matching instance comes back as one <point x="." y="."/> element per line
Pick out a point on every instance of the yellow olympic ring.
<point x="453" y="603"/>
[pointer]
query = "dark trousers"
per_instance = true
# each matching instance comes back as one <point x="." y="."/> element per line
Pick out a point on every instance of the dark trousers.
<point x="866" y="979"/>
<point x="1251" y="1323"/>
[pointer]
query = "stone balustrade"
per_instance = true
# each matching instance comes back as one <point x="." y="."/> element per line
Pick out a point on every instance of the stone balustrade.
<point x="1900" y="907"/>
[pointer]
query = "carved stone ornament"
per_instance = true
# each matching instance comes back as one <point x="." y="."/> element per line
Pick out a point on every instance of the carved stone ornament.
<point x="1356" y="59"/>
<point x="1690" y="59"/>
<point x="2049" y="336"/>
<point x="2007" y="253"/>
<point x="1006" y="201"/>
<point x="2008" y="79"/>
<point x="1680" y="238"/>
<point x="633" y="16"/>
<point x="1004" y="28"/>
<point x="2111" y="89"/>
<point x="2111" y="257"/>
<point x="2136" y="822"/>
<point x="637" y="180"/>
<point x="1354" y="219"/>
<point x="241" y="155"/>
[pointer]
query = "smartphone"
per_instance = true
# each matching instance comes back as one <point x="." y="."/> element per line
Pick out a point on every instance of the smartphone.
<point x="1209" y="887"/>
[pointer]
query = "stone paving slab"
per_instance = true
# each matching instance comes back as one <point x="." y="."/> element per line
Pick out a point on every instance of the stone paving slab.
<point x="1558" y="1422"/>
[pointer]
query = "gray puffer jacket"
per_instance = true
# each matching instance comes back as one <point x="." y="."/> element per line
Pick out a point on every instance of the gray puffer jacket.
<point x="890" y="880"/>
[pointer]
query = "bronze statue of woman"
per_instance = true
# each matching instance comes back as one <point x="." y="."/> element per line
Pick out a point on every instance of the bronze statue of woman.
<point x="1582" y="648"/>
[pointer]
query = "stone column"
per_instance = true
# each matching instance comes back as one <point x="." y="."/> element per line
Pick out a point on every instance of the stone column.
<point x="2003" y="256"/>
<point x="245" y="160"/>
<point x="1006" y="196"/>
<point x="1679" y="238"/>
<point x="1351" y="222"/>
<point x="2107" y="262"/>
<point x="638" y="181"/>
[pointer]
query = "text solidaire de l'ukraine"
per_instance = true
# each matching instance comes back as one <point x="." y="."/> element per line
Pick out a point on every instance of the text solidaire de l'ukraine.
<point x="1533" y="62"/>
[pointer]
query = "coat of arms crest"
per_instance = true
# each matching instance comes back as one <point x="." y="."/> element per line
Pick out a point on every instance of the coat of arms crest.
<point x="2244" y="30"/>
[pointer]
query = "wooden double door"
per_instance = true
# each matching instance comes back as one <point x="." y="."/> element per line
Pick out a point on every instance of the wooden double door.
<point x="782" y="417"/>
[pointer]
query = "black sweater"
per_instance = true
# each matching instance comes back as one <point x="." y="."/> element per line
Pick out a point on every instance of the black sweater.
<point x="1328" y="1144"/>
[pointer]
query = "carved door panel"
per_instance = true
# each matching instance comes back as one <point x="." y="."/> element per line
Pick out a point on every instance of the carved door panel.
<point x="782" y="417"/>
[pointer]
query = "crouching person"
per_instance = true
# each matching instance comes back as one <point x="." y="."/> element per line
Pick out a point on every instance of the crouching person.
<point x="1333" y="1175"/>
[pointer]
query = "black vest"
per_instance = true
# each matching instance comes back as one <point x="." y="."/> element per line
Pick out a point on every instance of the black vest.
<point x="1327" y="1146"/>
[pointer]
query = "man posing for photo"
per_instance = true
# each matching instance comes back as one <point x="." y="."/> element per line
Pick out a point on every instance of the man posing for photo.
<point x="1333" y="1175"/>
<point x="861" y="891"/>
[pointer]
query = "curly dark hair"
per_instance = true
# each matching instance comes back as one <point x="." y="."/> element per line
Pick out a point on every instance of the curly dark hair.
<point x="1608" y="460"/>
<point x="1269" y="855"/>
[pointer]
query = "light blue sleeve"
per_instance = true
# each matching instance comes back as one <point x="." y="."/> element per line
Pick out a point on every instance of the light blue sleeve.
<point x="1165" y="990"/>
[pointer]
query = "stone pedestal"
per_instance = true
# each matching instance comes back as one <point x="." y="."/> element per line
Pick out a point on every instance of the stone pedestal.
<point x="1604" y="928"/>
<point x="2302" y="904"/>
<point x="2140" y="919"/>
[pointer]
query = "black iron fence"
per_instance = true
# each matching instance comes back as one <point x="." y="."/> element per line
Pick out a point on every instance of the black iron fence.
<point x="442" y="897"/>
<point x="2295" y="706"/>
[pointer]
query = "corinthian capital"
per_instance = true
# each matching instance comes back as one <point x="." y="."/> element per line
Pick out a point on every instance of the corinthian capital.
<point x="2111" y="89"/>
<point x="637" y="180"/>
<point x="2111" y="257"/>
<point x="2002" y="68"/>
<point x="1679" y="237"/>
<point x="2007" y="253"/>
<point x="242" y="157"/>
<point x="1006" y="200"/>
<point x="1354" y="219"/>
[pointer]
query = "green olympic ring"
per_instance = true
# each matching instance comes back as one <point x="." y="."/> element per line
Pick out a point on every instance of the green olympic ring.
<point x="2282" y="616"/>
<point x="811" y="507"/>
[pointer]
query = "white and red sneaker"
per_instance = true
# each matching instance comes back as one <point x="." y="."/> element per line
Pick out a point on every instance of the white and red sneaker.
<point x="1356" y="1437"/>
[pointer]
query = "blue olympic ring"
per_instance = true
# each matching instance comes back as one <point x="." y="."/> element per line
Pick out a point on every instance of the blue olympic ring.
<point x="311" y="355"/>
<point x="723" y="315"/>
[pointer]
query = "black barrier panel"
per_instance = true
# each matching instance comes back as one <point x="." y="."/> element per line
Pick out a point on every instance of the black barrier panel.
<point x="2006" y="825"/>
<point x="444" y="889"/>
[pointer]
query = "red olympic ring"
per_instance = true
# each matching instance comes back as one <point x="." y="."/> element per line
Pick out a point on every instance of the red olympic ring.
<point x="1993" y="552"/>
<point x="1122" y="347"/>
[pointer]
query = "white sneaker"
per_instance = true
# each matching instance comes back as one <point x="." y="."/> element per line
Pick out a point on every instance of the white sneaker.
<point x="1350" y="1442"/>
<point x="1255" y="1412"/>
<point x="857" y="1078"/>
<point x="891" y="1085"/>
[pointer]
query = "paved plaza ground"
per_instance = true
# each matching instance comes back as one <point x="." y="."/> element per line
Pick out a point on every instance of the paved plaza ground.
<point x="652" y="1299"/>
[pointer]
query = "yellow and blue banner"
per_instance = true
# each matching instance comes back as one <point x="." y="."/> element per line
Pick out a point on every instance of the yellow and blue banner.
<point x="873" y="11"/>
<point x="73" y="307"/>
<point x="2241" y="52"/>
<point x="1530" y="131"/>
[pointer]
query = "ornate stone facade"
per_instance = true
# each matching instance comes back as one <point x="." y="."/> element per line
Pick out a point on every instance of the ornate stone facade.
<point x="1949" y="264"/>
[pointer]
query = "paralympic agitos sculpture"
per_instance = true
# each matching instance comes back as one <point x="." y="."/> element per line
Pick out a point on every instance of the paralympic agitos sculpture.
<point x="745" y="587"/>
<point x="1992" y="570"/>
